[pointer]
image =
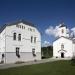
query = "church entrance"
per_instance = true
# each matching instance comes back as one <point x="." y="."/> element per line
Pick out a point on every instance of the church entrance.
<point x="62" y="55"/>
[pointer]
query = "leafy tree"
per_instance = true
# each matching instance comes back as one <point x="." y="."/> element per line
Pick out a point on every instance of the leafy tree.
<point x="47" y="52"/>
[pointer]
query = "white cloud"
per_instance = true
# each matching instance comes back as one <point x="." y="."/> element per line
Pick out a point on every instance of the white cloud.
<point x="46" y="43"/>
<point x="73" y="29"/>
<point x="72" y="32"/>
<point x="52" y="31"/>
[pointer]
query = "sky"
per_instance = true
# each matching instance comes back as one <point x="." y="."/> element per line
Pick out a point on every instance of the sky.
<point x="43" y="13"/>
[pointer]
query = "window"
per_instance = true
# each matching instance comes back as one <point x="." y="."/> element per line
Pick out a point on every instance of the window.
<point x="30" y="29"/>
<point x="14" y="36"/>
<point x="17" y="52"/>
<point x="33" y="52"/>
<point x="62" y="46"/>
<point x="31" y="39"/>
<point x="62" y="31"/>
<point x="19" y="37"/>
<point x="17" y="26"/>
<point x="3" y="56"/>
<point x="22" y="27"/>
<point x="33" y="30"/>
<point x="34" y="39"/>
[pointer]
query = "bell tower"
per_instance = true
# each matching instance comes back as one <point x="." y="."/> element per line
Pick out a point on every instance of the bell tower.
<point x="62" y="31"/>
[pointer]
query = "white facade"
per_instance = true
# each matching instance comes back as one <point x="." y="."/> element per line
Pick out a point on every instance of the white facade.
<point x="64" y="46"/>
<point x="26" y="47"/>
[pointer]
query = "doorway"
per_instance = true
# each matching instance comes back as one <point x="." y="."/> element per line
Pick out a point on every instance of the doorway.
<point x="62" y="55"/>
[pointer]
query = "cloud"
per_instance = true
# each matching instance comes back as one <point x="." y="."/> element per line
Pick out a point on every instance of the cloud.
<point x="73" y="29"/>
<point x="46" y="43"/>
<point x="52" y="31"/>
<point x="72" y="32"/>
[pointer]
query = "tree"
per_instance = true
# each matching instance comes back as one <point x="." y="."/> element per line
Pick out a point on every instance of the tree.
<point x="47" y="52"/>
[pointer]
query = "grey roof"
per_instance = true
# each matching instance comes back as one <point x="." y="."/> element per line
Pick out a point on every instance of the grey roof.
<point x="62" y="25"/>
<point x="15" y="23"/>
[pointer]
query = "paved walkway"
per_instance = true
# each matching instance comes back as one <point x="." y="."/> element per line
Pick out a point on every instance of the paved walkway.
<point x="5" y="66"/>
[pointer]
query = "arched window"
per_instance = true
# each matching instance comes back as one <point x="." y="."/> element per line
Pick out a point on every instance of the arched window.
<point x="14" y="36"/>
<point x="62" y="31"/>
<point x="19" y="37"/>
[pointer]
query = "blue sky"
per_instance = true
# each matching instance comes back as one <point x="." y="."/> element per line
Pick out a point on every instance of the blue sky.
<point x="43" y="13"/>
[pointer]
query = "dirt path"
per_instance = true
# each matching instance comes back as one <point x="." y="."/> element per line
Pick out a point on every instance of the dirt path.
<point x="5" y="66"/>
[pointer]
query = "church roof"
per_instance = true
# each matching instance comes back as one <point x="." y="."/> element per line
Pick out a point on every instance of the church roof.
<point x="71" y="39"/>
<point x="62" y="25"/>
<point x="15" y="23"/>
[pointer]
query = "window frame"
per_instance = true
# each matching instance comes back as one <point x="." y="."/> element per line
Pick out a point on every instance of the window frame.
<point x="18" y="52"/>
<point x="14" y="36"/>
<point x="33" y="52"/>
<point x="19" y="37"/>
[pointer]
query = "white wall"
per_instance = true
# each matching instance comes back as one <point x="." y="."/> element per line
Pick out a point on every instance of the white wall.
<point x="2" y="44"/>
<point x="68" y="46"/>
<point x="25" y="44"/>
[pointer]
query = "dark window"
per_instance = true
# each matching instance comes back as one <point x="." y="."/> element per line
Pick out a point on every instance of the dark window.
<point x="19" y="37"/>
<point x="33" y="52"/>
<point x="17" y="52"/>
<point x="22" y="27"/>
<point x="34" y="39"/>
<point x="2" y="56"/>
<point x="30" y="29"/>
<point x="31" y="39"/>
<point x="14" y="36"/>
<point x="62" y="31"/>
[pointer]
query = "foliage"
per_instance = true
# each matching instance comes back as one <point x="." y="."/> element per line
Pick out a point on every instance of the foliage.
<point x="47" y="52"/>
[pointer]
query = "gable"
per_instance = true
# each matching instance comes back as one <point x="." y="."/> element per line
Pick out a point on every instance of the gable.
<point x="62" y="39"/>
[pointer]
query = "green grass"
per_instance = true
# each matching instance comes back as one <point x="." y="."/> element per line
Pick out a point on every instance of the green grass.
<point x="53" y="68"/>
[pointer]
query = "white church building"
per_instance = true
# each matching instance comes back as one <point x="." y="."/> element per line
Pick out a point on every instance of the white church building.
<point x="64" y="46"/>
<point x="19" y="41"/>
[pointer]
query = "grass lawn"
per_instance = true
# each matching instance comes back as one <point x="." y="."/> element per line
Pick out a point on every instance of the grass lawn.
<point x="53" y="68"/>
